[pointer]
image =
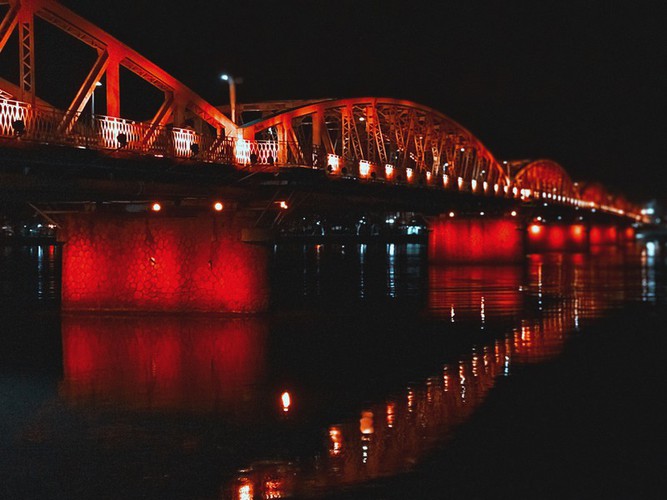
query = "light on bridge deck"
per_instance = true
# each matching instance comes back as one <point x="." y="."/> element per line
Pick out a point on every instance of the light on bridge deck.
<point x="366" y="422"/>
<point x="333" y="163"/>
<point x="364" y="168"/>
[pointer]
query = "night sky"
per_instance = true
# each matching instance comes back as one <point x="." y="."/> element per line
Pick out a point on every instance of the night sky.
<point x="582" y="83"/>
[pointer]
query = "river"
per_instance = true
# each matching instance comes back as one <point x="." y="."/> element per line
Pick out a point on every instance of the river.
<point x="373" y="375"/>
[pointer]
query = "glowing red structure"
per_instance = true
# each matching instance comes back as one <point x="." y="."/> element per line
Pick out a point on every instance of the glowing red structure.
<point x="476" y="240"/>
<point x="141" y="262"/>
<point x="557" y="237"/>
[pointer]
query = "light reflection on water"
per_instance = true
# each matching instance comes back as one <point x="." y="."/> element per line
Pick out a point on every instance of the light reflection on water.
<point x="255" y="408"/>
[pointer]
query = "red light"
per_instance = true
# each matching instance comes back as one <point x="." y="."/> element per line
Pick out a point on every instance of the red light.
<point x="217" y="206"/>
<point x="336" y="436"/>
<point x="156" y="207"/>
<point x="366" y="422"/>
<point x="535" y="228"/>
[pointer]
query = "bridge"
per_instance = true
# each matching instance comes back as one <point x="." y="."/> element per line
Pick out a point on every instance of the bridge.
<point x="182" y="195"/>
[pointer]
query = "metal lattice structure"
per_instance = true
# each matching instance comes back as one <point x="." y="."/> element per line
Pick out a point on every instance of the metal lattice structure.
<point x="370" y="139"/>
<point x="111" y="55"/>
<point x="546" y="176"/>
<point x="384" y="138"/>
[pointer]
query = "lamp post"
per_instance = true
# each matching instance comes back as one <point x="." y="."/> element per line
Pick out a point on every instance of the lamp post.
<point x="232" y="81"/>
<point x="92" y="99"/>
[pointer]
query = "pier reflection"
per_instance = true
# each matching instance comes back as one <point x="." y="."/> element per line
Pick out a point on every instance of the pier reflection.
<point x="185" y="363"/>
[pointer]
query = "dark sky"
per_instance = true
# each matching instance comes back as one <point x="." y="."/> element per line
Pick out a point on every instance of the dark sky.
<point x="582" y="83"/>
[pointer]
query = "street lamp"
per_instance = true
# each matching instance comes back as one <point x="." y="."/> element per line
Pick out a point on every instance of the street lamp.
<point x="232" y="81"/>
<point x="92" y="98"/>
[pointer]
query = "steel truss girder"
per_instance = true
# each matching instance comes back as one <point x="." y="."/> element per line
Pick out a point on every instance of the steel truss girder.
<point x="393" y="131"/>
<point x="545" y="176"/>
<point x="27" y="57"/>
<point x="21" y="13"/>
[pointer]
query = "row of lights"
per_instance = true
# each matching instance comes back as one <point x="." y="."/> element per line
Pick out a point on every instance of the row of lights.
<point x="365" y="170"/>
<point x="452" y="214"/>
<point x="218" y="206"/>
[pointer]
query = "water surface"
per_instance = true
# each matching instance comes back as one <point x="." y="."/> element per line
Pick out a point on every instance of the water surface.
<point x="370" y="366"/>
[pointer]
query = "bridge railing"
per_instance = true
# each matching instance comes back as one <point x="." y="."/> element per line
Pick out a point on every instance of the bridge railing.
<point x="20" y="121"/>
<point x="24" y="122"/>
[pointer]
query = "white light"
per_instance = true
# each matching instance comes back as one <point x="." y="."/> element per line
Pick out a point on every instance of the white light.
<point x="364" y="168"/>
<point x="224" y="77"/>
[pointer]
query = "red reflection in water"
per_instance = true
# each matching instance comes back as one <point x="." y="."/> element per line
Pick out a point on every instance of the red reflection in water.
<point x="161" y="362"/>
<point x="465" y="291"/>
<point x="475" y="240"/>
<point x="389" y="437"/>
<point x="156" y="263"/>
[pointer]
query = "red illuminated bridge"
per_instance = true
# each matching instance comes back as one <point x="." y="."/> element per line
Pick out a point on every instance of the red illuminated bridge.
<point x="96" y="175"/>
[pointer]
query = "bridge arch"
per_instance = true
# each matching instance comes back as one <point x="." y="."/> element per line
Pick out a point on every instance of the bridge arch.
<point x="381" y="131"/>
<point x="545" y="177"/>
<point x="595" y="193"/>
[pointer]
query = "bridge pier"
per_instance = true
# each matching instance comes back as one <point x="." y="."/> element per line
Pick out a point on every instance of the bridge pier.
<point x="611" y="234"/>
<point x="557" y="237"/>
<point x="504" y="239"/>
<point x="162" y="263"/>
<point x="476" y="240"/>
<point x="603" y="234"/>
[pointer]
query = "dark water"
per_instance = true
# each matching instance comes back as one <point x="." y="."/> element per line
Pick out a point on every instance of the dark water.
<point x="404" y="381"/>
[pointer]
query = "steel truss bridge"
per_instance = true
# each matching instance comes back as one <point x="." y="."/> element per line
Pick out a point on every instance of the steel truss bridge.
<point x="370" y="140"/>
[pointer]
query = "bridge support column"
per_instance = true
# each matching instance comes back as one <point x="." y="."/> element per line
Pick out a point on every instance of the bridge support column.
<point x="626" y="234"/>
<point x="157" y="262"/>
<point x="465" y="240"/>
<point x="603" y="234"/>
<point x="557" y="237"/>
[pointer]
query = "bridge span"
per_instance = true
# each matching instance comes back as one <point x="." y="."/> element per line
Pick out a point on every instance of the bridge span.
<point x="164" y="213"/>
